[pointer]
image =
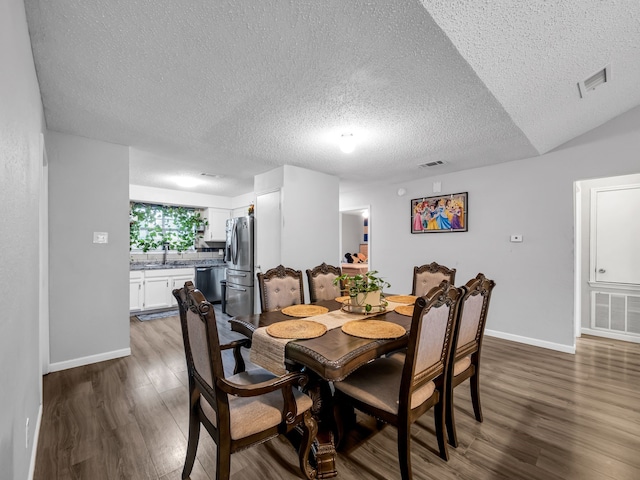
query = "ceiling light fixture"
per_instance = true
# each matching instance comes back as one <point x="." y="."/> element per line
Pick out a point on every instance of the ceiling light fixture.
<point x="347" y="142"/>
<point x="186" y="182"/>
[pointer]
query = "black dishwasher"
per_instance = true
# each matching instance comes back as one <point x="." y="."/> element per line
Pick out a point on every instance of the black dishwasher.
<point x="208" y="281"/>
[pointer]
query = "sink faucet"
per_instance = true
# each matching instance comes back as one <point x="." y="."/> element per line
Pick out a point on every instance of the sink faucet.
<point x="165" y="248"/>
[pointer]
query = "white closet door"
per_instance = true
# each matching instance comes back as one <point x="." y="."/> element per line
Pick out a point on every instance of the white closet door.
<point x="268" y="229"/>
<point x="616" y="249"/>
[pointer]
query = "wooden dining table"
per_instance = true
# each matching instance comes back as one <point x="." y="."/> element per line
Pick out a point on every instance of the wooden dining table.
<point x="328" y="358"/>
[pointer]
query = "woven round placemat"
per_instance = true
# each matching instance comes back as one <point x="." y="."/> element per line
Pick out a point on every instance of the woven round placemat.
<point x="304" y="310"/>
<point x="404" y="310"/>
<point x="298" y="329"/>
<point x="408" y="299"/>
<point x="342" y="299"/>
<point x="374" y="329"/>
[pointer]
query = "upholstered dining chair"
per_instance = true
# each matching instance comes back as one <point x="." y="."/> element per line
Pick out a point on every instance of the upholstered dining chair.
<point x="474" y="307"/>
<point x="425" y="277"/>
<point x="241" y="410"/>
<point x="280" y="287"/>
<point x="321" y="280"/>
<point x="399" y="389"/>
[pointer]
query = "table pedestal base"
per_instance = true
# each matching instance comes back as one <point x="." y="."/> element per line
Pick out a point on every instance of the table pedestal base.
<point x="324" y="451"/>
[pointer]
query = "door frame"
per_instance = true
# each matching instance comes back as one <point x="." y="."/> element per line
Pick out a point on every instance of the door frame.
<point x="357" y="209"/>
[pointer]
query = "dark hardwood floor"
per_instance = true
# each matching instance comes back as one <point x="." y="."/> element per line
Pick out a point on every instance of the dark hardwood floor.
<point x="547" y="415"/>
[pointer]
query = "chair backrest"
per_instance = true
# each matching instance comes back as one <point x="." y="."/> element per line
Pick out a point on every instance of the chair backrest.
<point x="201" y="342"/>
<point x="425" y="277"/>
<point x="321" y="280"/>
<point x="280" y="287"/>
<point x="433" y="328"/>
<point x="473" y="318"/>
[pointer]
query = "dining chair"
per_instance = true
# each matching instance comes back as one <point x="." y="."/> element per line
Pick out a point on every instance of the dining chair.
<point x="280" y="287"/>
<point x="425" y="277"/>
<point x="399" y="389"/>
<point x="241" y="410"/>
<point x="466" y="359"/>
<point x="321" y="286"/>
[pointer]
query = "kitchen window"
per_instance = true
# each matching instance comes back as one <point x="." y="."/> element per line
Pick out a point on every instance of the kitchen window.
<point x="151" y="227"/>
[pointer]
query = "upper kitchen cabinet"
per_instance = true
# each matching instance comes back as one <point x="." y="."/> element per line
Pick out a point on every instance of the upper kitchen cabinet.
<point x="216" y="230"/>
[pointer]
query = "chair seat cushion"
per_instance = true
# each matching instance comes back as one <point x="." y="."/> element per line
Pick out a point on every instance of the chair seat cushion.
<point x="461" y="365"/>
<point x="249" y="415"/>
<point x="378" y="384"/>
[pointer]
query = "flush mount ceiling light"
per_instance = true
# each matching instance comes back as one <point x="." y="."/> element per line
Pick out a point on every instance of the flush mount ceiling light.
<point x="187" y="182"/>
<point x="347" y="142"/>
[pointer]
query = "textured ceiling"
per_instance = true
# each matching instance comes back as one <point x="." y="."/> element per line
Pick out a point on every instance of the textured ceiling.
<point x="236" y="88"/>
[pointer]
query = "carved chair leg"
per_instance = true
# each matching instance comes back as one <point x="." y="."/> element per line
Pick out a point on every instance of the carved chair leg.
<point x="192" y="443"/>
<point x="404" y="450"/>
<point x="309" y="432"/>
<point x="474" y="384"/>
<point x="223" y="461"/>
<point x="450" y="420"/>
<point x="438" y="414"/>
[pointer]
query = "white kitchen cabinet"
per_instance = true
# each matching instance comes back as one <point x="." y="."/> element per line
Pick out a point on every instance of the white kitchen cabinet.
<point x="216" y="230"/>
<point x="153" y="289"/>
<point x="156" y="292"/>
<point x="179" y="277"/>
<point x="136" y="294"/>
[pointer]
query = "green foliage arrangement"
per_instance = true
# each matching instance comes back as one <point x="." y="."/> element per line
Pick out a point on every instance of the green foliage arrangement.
<point x="153" y="226"/>
<point x="359" y="285"/>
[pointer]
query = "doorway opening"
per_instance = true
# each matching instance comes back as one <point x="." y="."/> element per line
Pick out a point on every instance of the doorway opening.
<point x="355" y="239"/>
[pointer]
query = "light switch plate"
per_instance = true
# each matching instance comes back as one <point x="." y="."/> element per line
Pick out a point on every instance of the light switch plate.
<point x="437" y="187"/>
<point x="100" y="237"/>
<point x="516" y="238"/>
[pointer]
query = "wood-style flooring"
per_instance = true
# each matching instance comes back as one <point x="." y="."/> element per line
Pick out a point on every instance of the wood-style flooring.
<point x="547" y="415"/>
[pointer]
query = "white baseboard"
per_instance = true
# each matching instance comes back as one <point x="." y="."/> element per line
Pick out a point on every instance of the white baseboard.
<point x="611" y="335"/>
<point x="532" y="341"/>
<point x="79" y="362"/>
<point x="34" y="445"/>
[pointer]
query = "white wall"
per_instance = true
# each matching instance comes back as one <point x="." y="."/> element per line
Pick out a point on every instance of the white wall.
<point x="21" y="124"/>
<point x="352" y="233"/>
<point x="165" y="196"/>
<point x="533" y="299"/>
<point x="310" y="233"/>
<point x="89" y="290"/>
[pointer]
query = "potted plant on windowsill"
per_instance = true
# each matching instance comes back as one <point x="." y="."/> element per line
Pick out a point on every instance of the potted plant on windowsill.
<point x="365" y="291"/>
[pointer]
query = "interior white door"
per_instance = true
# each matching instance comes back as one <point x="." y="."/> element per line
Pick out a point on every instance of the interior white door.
<point x="268" y="230"/>
<point x="617" y="231"/>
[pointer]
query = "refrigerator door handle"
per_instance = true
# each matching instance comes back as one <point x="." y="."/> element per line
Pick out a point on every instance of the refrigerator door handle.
<point x="232" y="287"/>
<point x="236" y="274"/>
<point x="234" y="246"/>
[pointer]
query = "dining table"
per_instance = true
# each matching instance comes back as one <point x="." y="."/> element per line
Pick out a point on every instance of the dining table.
<point x="328" y="358"/>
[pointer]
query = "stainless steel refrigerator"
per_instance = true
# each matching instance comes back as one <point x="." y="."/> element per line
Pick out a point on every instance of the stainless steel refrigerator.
<point x="239" y="257"/>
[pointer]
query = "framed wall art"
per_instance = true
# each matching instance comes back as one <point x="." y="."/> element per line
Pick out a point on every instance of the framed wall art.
<point x="444" y="213"/>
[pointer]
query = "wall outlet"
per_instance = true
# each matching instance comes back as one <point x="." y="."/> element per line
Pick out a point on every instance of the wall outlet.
<point x="26" y="434"/>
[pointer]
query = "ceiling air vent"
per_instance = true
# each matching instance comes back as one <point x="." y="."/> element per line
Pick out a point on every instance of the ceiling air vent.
<point x="600" y="77"/>
<point x="431" y="164"/>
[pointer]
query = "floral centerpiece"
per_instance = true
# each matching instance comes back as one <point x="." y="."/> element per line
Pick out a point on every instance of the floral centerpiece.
<point x="365" y="290"/>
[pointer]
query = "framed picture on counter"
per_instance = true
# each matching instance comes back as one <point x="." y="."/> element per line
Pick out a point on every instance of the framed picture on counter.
<point x="441" y="214"/>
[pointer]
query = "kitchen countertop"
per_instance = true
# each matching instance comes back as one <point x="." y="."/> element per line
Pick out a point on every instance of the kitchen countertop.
<point x="180" y="264"/>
